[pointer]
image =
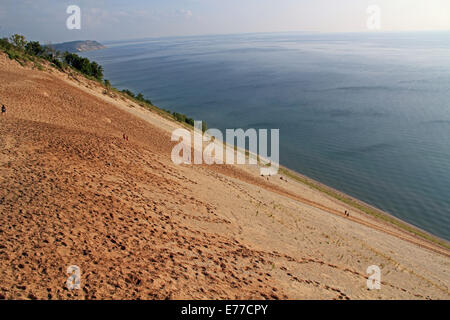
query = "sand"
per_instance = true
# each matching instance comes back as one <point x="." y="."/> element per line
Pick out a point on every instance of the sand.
<point x="73" y="192"/>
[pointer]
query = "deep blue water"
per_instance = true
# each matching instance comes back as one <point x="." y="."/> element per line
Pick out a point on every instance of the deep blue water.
<point x="368" y="114"/>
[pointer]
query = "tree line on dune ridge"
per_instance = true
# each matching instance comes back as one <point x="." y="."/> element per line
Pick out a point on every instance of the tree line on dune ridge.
<point x="17" y="48"/>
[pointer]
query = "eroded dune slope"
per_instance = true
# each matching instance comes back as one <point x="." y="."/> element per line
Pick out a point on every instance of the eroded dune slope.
<point x="74" y="192"/>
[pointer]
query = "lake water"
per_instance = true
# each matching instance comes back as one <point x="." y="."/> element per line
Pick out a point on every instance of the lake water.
<point x="367" y="114"/>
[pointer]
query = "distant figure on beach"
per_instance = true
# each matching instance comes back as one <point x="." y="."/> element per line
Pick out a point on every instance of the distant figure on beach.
<point x="3" y="109"/>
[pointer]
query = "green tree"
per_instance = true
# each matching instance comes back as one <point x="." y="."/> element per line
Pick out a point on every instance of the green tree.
<point x="128" y="92"/>
<point x="18" y="41"/>
<point x="190" y="121"/>
<point x="5" y="44"/>
<point x="84" y="65"/>
<point x="96" y="70"/>
<point x="34" y="48"/>
<point x="140" y="97"/>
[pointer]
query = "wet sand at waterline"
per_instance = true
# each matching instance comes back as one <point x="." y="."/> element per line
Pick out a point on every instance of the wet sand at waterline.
<point x="74" y="192"/>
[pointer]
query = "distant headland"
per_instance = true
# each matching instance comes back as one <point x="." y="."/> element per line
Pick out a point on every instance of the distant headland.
<point x="78" y="46"/>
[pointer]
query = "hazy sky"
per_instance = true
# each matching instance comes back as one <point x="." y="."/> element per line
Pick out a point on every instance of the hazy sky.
<point x="45" y="20"/>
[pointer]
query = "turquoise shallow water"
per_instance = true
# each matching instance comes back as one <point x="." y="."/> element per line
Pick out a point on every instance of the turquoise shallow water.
<point x="368" y="114"/>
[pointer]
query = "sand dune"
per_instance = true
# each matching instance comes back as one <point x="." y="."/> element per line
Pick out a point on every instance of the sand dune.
<point x="73" y="192"/>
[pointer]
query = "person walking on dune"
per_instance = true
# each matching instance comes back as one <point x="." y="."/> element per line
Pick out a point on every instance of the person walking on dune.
<point x="3" y="110"/>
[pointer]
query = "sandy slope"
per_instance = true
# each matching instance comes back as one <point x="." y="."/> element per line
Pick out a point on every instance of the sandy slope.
<point x="73" y="192"/>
